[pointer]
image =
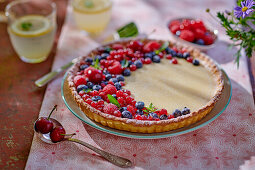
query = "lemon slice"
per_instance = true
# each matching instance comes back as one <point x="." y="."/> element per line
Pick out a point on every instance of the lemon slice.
<point x="31" y="26"/>
<point x="91" y="6"/>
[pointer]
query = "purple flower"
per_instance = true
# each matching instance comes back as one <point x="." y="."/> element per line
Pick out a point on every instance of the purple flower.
<point x="245" y="10"/>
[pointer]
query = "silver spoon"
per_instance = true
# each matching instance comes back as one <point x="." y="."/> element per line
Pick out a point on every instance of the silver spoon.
<point x="116" y="160"/>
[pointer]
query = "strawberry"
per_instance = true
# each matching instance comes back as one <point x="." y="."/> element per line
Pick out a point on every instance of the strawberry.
<point x="208" y="39"/>
<point x="131" y="109"/>
<point x="109" y="89"/>
<point x="187" y="35"/>
<point x="110" y="108"/>
<point x="94" y="75"/>
<point x="151" y="46"/>
<point x="78" y="80"/>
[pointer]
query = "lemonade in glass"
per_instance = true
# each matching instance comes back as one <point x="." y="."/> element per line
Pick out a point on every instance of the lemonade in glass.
<point x="32" y="27"/>
<point x="92" y="15"/>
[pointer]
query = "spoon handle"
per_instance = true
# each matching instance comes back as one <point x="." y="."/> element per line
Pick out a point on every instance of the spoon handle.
<point x="116" y="160"/>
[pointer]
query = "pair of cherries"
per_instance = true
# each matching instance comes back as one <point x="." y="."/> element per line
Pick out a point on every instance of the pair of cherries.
<point x="44" y="125"/>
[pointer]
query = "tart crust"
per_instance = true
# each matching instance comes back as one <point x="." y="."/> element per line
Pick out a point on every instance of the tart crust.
<point x="142" y="126"/>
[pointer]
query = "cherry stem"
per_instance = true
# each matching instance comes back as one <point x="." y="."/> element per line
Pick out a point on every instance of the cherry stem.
<point x="68" y="134"/>
<point x="55" y="107"/>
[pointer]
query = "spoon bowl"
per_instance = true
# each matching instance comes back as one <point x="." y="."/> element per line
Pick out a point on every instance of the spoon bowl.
<point x="116" y="160"/>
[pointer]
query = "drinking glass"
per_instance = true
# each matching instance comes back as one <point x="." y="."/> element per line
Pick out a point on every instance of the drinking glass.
<point x="32" y="28"/>
<point x="92" y="16"/>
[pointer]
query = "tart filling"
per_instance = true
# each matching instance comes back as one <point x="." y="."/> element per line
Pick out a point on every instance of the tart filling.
<point x="145" y="85"/>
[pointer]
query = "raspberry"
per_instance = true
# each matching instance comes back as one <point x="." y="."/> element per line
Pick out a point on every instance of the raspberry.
<point x="109" y="89"/>
<point x="127" y="92"/>
<point x="82" y="93"/>
<point x="138" y="117"/>
<point x="132" y="67"/>
<point x="208" y="39"/>
<point x="115" y="68"/>
<point x="187" y="35"/>
<point x="135" y="45"/>
<point x="199" y="33"/>
<point x="170" y="116"/>
<point x="110" y="108"/>
<point x="131" y="109"/>
<point x="94" y="75"/>
<point x="121" y="100"/>
<point x="151" y="46"/>
<point x="117" y="46"/>
<point x="93" y="104"/>
<point x="174" y="28"/>
<point x="88" y="101"/>
<point x="117" y="113"/>
<point x="163" y="112"/>
<point x="85" y="97"/>
<point x="119" y="93"/>
<point x="78" y="80"/>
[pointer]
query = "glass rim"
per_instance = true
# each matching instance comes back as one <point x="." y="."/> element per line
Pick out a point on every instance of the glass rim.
<point x="16" y="2"/>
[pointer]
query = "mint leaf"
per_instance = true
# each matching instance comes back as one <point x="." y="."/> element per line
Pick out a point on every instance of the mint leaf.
<point x="163" y="47"/>
<point x="113" y="100"/>
<point x="87" y="90"/>
<point x="124" y="63"/>
<point x="26" y="25"/>
<point x="151" y="108"/>
<point x="96" y="64"/>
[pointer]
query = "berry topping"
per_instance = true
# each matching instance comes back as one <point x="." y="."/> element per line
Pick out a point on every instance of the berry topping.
<point x="110" y="108"/>
<point x="140" y="112"/>
<point x="195" y="62"/>
<point x="115" y="68"/>
<point x="185" y="111"/>
<point x="96" y="87"/>
<point x="174" y="61"/>
<point x="120" y="78"/>
<point x="90" y="85"/>
<point x="117" y="85"/>
<point x="151" y="46"/>
<point x="187" y="35"/>
<point x="138" y="64"/>
<point x="153" y="115"/>
<point x="163" y="117"/>
<point x="126" y="72"/>
<point x="156" y="59"/>
<point x="147" y="61"/>
<point x="177" y="113"/>
<point x="94" y="75"/>
<point x="139" y="105"/>
<point x="108" y="76"/>
<point x="109" y="89"/>
<point x="81" y="87"/>
<point x="89" y="60"/>
<point x="135" y="45"/>
<point x="114" y="80"/>
<point x="132" y="67"/>
<point x="57" y="134"/>
<point x="126" y="114"/>
<point x="190" y="59"/>
<point x="96" y="98"/>
<point x="78" y="80"/>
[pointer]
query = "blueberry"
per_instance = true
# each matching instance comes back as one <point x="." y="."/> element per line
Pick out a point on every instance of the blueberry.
<point x="89" y="60"/>
<point x="98" y="57"/>
<point x="90" y="84"/>
<point x="156" y="59"/>
<point x="130" y="63"/>
<point x="173" y="53"/>
<point x="96" y="87"/>
<point x="104" y="55"/>
<point x="179" y="55"/>
<point x="126" y="114"/>
<point x="200" y="42"/>
<point x="177" y="113"/>
<point x="96" y="98"/>
<point x="106" y="72"/>
<point x="186" y="55"/>
<point x="163" y="117"/>
<point x="185" y="111"/>
<point x="114" y="95"/>
<point x="153" y="53"/>
<point x="117" y="85"/>
<point x="140" y="112"/>
<point x="154" y="115"/>
<point x="120" y="78"/>
<point x="104" y="82"/>
<point x="126" y="72"/>
<point x="108" y="76"/>
<point x="83" y="67"/>
<point x="139" y="105"/>
<point x="114" y="80"/>
<point x="178" y="33"/>
<point x="168" y="50"/>
<point x="148" y="55"/>
<point x="81" y="87"/>
<point x="195" y="62"/>
<point x="123" y="109"/>
<point x="138" y="64"/>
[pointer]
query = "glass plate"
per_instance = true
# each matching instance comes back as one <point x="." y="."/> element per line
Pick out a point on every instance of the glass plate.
<point x="220" y="106"/>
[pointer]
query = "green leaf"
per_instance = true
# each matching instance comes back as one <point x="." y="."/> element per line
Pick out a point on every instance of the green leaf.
<point x="89" y="4"/>
<point x="26" y="25"/>
<point x="113" y="100"/>
<point x="87" y="90"/>
<point x="96" y="64"/>
<point x="124" y="63"/>
<point x="163" y="47"/>
<point x="151" y="108"/>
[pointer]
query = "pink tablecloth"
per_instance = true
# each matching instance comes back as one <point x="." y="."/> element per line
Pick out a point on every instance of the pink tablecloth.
<point x="223" y="144"/>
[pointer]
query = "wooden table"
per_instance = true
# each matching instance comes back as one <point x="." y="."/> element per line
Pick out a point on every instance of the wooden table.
<point x="20" y="100"/>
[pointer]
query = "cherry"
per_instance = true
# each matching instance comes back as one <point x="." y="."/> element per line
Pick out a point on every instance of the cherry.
<point x="57" y="134"/>
<point x="44" y="124"/>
